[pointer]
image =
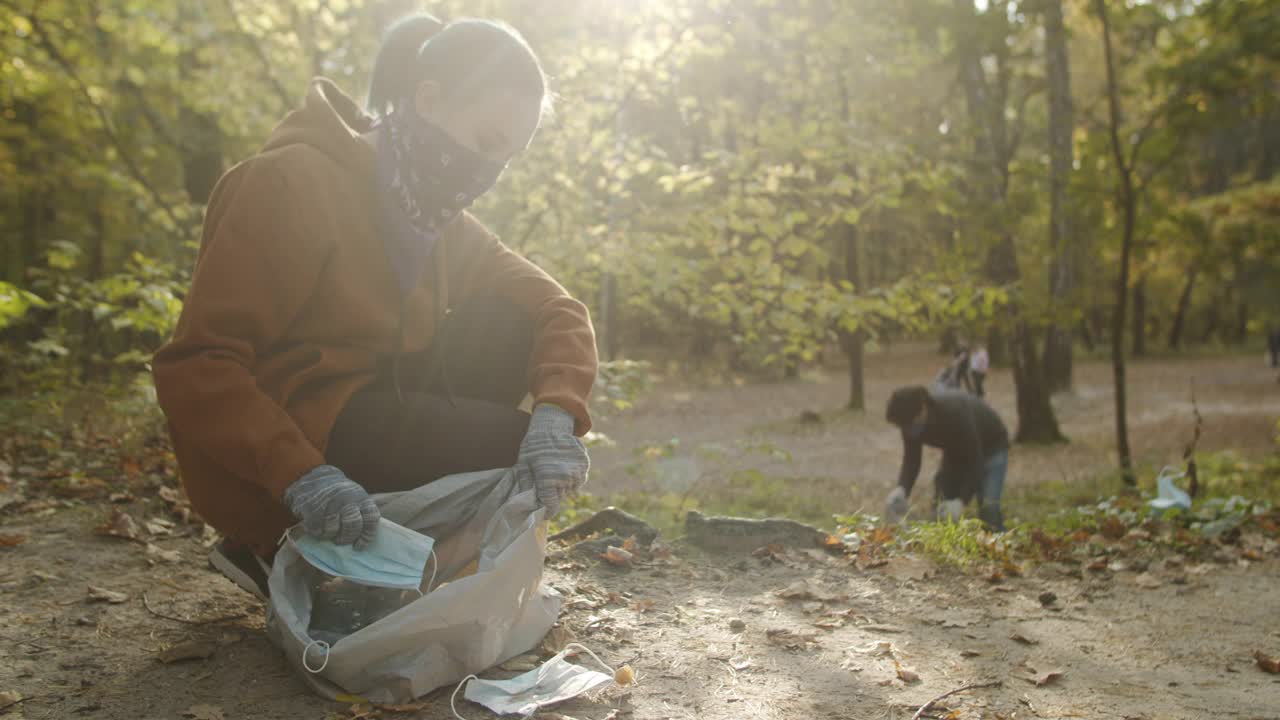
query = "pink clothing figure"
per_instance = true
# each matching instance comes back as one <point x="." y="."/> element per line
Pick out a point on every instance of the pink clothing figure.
<point x="978" y="361"/>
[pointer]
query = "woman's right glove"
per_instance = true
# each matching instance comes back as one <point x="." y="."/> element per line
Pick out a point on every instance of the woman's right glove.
<point x="333" y="507"/>
<point x="555" y="460"/>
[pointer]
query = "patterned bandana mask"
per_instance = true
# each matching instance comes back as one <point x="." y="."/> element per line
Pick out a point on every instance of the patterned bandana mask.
<point x="425" y="179"/>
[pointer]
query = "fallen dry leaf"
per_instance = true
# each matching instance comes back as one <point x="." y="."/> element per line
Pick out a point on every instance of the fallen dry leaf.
<point x="158" y="526"/>
<point x="120" y="525"/>
<point x="906" y="674"/>
<point x="8" y="540"/>
<point x="1268" y="663"/>
<point x="1019" y="637"/>
<point x="521" y="663"/>
<point x="156" y="552"/>
<point x="173" y="496"/>
<point x="189" y="650"/>
<point x="801" y="590"/>
<point x="1097" y="564"/>
<point x="739" y="664"/>
<point x="877" y="649"/>
<point x="9" y="697"/>
<point x="1148" y="581"/>
<point x="204" y="712"/>
<point x="105" y="595"/>
<point x="969" y="653"/>
<point x="883" y="628"/>
<point x="790" y="639"/>
<point x="556" y="639"/>
<point x="617" y="556"/>
<point x="642" y="606"/>
<point x="1045" y="678"/>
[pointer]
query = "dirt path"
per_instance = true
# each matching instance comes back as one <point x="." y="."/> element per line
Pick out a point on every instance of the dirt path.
<point x="1179" y="650"/>
<point x="733" y="441"/>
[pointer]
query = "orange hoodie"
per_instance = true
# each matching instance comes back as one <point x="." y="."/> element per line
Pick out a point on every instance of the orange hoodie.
<point x="292" y="301"/>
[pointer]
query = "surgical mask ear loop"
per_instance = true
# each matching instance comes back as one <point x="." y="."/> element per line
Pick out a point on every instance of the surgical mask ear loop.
<point x="454" y="696"/>
<point x="435" y="565"/>
<point x="323" y="645"/>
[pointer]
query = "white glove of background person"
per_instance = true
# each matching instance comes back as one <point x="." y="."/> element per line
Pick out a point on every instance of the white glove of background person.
<point x="555" y="459"/>
<point x="333" y="507"/>
<point x="896" y="506"/>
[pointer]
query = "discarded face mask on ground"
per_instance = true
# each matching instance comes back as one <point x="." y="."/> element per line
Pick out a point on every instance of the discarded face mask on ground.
<point x="1169" y="495"/>
<point x="553" y="682"/>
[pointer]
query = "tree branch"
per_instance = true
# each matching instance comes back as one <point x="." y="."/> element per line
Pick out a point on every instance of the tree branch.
<point x="46" y="42"/>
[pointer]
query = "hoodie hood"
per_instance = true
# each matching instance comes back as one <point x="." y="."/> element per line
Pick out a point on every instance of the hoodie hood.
<point x="331" y="122"/>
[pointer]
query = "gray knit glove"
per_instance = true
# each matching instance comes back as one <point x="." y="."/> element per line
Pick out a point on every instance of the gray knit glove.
<point x="333" y="507"/>
<point x="556" y="460"/>
<point x="896" y="507"/>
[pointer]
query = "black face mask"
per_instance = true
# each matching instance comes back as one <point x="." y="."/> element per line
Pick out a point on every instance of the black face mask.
<point x="425" y="179"/>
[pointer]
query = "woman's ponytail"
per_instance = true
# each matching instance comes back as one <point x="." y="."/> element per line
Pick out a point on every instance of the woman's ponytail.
<point x="395" y="68"/>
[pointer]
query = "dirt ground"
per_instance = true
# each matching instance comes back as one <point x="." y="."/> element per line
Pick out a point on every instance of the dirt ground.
<point x="1154" y="639"/>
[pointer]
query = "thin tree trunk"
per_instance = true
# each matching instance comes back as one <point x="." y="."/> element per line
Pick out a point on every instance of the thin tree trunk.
<point x="854" y="343"/>
<point x="1184" y="304"/>
<point x="1214" y="319"/>
<point x="1140" y="317"/>
<point x="1242" y="322"/>
<point x="1058" y="340"/>
<point x="1128" y="204"/>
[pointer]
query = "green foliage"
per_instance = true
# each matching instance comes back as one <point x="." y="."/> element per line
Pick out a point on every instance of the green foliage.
<point x="619" y="383"/>
<point x="958" y="544"/>
<point x="14" y="303"/>
<point x="757" y="181"/>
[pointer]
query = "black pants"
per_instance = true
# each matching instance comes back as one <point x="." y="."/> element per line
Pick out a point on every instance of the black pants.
<point x="459" y="411"/>
<point x="978" y="379"/>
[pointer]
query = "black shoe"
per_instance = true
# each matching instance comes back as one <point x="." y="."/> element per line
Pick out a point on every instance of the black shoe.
<point x="241" y="567"/>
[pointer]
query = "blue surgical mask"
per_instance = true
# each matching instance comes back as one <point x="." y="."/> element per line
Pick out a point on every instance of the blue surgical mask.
<point x="397" y="557"/>
<point x="553" y="682"/>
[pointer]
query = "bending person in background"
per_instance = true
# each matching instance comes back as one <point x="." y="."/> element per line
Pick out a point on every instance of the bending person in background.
<point x="975" y="452"/>
<point x="351" y="329"/>
<point x="979" y="364"/>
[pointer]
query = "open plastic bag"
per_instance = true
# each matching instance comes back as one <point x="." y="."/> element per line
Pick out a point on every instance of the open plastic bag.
<point x="486" y="606"/>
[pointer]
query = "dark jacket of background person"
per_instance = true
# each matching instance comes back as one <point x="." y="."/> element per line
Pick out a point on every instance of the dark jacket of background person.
<point x="967" y="431"/>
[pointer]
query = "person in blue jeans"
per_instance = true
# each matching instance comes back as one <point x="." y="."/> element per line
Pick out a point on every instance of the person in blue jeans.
<point x="975" y="452"/>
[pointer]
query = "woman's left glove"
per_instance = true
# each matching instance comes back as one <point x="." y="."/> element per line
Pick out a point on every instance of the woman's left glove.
<point x="555" y="459"/>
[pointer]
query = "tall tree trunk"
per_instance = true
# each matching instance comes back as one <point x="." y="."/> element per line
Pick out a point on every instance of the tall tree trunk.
<point x="994" y="148"/>
<point x="1140" y="317"/>
<point x="1184" y="304"/>
<point x="1062" y="266"/>
<point x="1128" y="203"/>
